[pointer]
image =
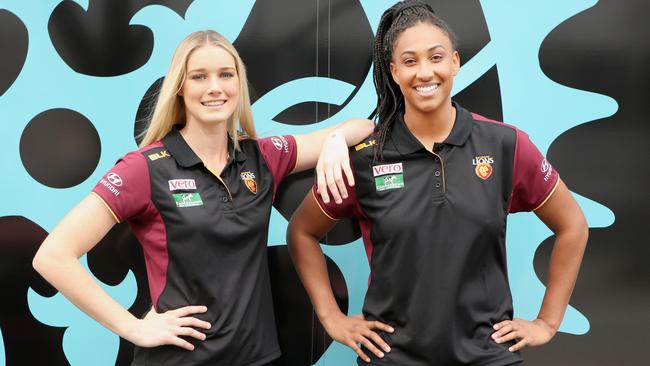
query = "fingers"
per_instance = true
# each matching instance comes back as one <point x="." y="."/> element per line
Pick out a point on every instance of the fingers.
<point x="188" y="310"/>
<point x="190" y="332"/>
<point x="338" y="179"/>
<point x="180" y="342"/>
<point x="332" y="184"/>
<point x="348" y="172"/>
<point x="519" y="345"/>
<point x="505" y="329"/>
<point x="376" y="339"/>
<point x="193" y="322"/>
<point x="321" y="182"/>
<point x="379" y="325"/>
<point x="358" y="351"/>
<point x="369" y="345"/>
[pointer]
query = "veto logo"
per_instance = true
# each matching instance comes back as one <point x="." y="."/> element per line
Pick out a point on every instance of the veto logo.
<point x="176" y="184"/>
<point x="280" y="143"/>
<point x="187" y="199"/>
<point x="388" y="176"/>
<point x="363" y="145"/>
<point x="249" y="180"/>
<point x="546" y="168"/>
<point x="159" y="155"/>
<point x="483" y="169"/>
<point x="378" y="170"/>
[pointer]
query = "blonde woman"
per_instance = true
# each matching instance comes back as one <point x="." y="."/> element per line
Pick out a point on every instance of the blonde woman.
<point x="198" y="196"/>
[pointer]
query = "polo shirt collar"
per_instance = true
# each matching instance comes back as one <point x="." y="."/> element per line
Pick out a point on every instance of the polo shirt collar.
<point x="185" y="156"/>
<point x="406" y="143"/>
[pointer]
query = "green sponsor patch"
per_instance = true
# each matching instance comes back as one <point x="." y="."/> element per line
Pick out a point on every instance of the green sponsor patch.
<point x="391" y="181"/>
<point x="187" y="199"/>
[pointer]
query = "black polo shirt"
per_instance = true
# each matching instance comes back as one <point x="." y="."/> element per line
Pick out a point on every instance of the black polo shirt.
<point x="204" y="239"/>
<point x="434" y="228"/>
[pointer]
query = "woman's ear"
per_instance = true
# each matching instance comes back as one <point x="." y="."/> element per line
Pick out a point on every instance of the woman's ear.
<point x="393" y="72"/>
<point x="456" y="62"/>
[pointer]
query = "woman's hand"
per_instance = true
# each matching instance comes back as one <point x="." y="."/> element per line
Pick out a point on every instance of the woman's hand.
<point x="157" y="329"/>
<point x="353" y="331"/>
<point x="527" y="333"/>
<point x="333" y="162"/>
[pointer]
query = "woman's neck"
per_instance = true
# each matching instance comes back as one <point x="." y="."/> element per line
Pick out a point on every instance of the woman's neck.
<point x="210" y="143"/>
<point x="430" y="127"/>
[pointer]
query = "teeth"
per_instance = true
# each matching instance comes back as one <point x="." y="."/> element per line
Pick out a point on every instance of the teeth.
<point x="426" y="89"/>
<point x="213" y="103"/>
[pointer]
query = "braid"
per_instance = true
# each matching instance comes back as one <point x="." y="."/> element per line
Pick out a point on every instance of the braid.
<point x="390" y="100"/>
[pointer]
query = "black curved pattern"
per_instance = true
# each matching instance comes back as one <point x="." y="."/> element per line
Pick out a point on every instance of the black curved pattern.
<point x="100" y="41"/>
<point x="110" y="260"/>
<point x="13" y="43"/>
<point x="60" y="148"/>
<point x="279" y="46"/>
<point x="26" y="340"/>
<point x="605" y="50"/>
<point x="302" y="338"/>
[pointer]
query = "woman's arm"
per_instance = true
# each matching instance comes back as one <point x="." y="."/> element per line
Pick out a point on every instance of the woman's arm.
<point x="57" y="260"/>
<point x="307" y="225"/>
<point x="327" y="149"/>
<point x="564" y="217"/>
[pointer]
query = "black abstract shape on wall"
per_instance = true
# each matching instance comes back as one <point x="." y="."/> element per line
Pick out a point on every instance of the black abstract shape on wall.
<point x="60" y="148"/>
<point x="100" y="41"/>
<point x="110" y="260"/>
<point x="14" y="42"/>
<point x="26" y="340"/>
<point x="279" y="46"/>
<point x="303" y="339"/>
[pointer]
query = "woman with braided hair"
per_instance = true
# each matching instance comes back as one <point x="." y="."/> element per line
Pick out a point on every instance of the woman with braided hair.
<point x="434" y="186"/>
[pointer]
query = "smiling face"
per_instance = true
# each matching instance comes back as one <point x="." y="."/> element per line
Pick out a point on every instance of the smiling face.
<point x="211" y="87"/>
<point x="424" y="64"/>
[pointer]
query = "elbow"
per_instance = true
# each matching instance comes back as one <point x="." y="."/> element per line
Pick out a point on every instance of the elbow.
<point x="43" y="260"/>
<point x="39" y="262"/>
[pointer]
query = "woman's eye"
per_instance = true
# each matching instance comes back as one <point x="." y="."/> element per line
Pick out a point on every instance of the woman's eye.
<point x="227" y="75"/>
<point x="409" y="61"/>
<point x="436" y="57"/>
<point x="198" y="77"/>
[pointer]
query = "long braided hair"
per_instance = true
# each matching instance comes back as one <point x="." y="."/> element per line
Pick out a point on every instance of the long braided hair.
<point x="390" y="100"/>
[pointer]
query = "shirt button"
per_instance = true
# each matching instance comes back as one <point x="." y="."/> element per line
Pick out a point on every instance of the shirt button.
<point x="437" y="173"/>
<point x="224" y="199"/>
<point x="437" y="185"/>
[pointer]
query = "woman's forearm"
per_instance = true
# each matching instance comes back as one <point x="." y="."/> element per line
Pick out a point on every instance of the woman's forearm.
<point x="563" y="271"/>
<point x="68" y="276"/>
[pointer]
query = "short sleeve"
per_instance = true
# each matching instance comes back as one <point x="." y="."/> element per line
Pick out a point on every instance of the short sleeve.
<point x="125" y="189"/>
<point x="280" y="153"/>
<point x="339" y="211"/>
<point x="534" y="178"/>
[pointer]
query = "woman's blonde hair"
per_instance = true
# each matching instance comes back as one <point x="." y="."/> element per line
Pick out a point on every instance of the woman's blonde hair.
<point x="170" y="108"/>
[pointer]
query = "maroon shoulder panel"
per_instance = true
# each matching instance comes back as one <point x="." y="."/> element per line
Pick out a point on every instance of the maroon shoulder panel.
<point x="280" y="154"/>
<point x="126" y="188"/>
<point x="533" y="177"/>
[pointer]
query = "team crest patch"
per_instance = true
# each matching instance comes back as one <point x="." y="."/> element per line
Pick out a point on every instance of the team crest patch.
<point x="249" y="181"/>
<point x="483" y="167"/>
<point x="187" y="199"/>
<point x="388" y="176"/>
